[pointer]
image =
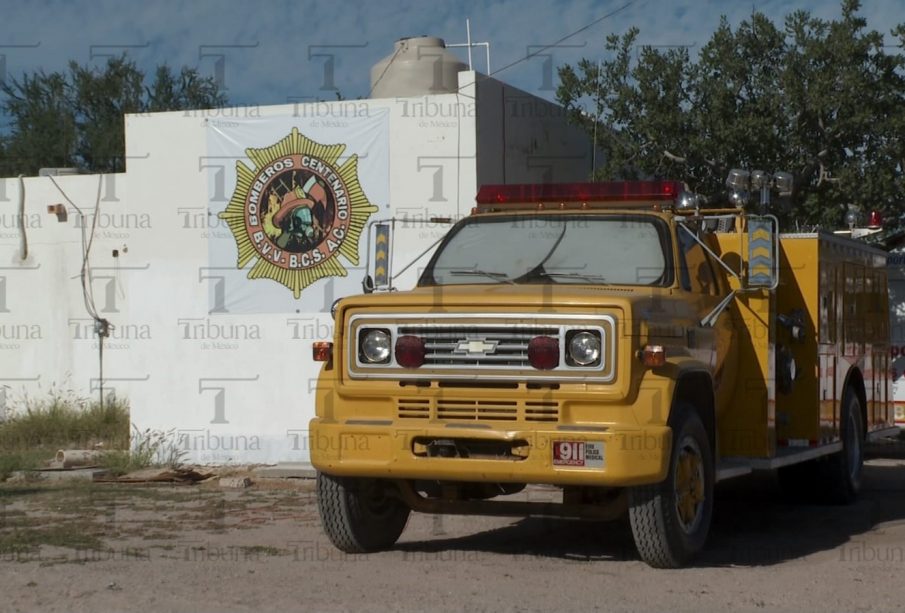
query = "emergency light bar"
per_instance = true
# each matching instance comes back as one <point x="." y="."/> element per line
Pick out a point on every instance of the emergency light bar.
<point x="492" y="196"/>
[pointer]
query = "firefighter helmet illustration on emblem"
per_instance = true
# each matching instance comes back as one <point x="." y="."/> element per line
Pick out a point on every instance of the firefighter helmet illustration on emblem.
<point x="297" y="211"/>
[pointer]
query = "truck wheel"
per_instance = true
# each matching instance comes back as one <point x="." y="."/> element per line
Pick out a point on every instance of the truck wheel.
<point x="670" y="520"/>
<point x="359" y="515"/>
<point x="834" y="479"/>
<point x="843" y="469"/>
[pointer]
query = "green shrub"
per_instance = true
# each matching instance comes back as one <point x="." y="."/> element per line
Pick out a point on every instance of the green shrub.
<point x="34" y="429"/>
<point x="21" y="460"/>
<point x="149" y="448"/>
<point x="65" y="421"/>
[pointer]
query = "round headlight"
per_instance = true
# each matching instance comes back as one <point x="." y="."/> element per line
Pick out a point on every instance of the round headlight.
<point x="584" y="348"/>
<point x="375" y="346"/>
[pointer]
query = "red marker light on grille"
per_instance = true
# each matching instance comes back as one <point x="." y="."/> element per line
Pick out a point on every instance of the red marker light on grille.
<point x="410" y="351"/>
<point x="543" y="352"/>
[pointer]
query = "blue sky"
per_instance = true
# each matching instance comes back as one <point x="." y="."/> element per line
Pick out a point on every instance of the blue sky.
<point x="280" y="51"/>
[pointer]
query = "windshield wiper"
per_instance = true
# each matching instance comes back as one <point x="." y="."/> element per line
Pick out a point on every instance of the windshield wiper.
<point x="575" y="275"/>
<point x="498" y="276"/>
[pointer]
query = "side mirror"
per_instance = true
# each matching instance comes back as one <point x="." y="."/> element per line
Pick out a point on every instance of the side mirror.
<point x="367" y="284"/>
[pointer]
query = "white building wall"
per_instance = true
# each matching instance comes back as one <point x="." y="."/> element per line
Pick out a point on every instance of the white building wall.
<point x="46" y="337"/>
<point x="525" y="139"/>
<point x="231" y="387"/>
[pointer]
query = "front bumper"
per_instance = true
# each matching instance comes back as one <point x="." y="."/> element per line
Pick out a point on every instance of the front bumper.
<point x="390" y="449"/>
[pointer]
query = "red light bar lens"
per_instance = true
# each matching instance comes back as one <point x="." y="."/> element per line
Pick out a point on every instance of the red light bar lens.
<point x="579" y="192"/>
<point x="876" y="220"/>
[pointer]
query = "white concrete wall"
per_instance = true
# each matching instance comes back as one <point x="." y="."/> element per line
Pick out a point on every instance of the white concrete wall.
<point x="46" y="336"/>
<point x="239" y="386"/>
<point x="232" y="387"/>
<point x="525" y="139"/>
<point x="235" y="388"/>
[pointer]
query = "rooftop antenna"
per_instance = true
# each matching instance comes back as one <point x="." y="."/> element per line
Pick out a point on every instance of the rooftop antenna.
<point x="468" y="39"/>
<point x="469" y="44"/>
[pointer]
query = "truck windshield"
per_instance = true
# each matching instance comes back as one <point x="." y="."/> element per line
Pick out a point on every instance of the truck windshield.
<point x="544" y="248"/>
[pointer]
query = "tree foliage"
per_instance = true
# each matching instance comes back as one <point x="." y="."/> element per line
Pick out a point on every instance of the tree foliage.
<point x="76" y="118"/>
<point x="822" y="99"/>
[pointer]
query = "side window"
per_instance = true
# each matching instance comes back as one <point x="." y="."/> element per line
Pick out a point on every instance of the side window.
<point x="695" y="271"/>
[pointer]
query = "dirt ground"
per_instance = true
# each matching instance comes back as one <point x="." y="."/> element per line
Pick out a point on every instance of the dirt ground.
<point x="199" y="548"/>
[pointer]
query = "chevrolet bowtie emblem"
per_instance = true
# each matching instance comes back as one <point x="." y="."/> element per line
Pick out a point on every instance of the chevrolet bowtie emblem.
<point x="473" y="347"/>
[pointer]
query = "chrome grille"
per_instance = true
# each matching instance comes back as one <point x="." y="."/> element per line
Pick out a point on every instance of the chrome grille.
<point x="478" y="345"/>
<point x="481" y="347"/>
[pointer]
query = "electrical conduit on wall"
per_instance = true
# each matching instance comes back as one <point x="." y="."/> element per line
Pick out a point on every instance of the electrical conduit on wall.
<point x="24" y="244"/>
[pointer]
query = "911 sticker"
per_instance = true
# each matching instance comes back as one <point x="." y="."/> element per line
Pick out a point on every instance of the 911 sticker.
<point x="581" y="454"/>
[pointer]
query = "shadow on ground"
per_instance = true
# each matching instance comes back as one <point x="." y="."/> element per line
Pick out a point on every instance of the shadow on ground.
<point x="754" y="525"/>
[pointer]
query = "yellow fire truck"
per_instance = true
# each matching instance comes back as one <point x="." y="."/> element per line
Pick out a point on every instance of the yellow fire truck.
<point x="624" y="341"/>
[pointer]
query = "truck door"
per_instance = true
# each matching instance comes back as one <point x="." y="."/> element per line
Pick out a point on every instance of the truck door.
<point x="704" y="281"/>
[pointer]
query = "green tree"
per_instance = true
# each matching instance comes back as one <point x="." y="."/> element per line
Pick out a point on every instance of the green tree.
<point x="824" y="100"/>
<point x="101" y="99"/>
<point x="43" y="123"/>
<point x="77" y="118"/>
<point x="188" y="90"/>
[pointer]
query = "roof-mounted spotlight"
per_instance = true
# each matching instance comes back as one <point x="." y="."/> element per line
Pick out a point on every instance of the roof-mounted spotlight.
<point x="783" y="182"/>
<point x="852" y="217"/>
<point x="738" y="182"/>
<point x="738" y="179"/>
<point x="761" y="182"/>
<point x="687" y="201"/>
<point x="759" y="179"/>
<point x="738" y="198"/>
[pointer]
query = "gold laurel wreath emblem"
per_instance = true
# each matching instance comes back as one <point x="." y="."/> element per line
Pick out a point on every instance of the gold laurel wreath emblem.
<point x="235" y="214"/>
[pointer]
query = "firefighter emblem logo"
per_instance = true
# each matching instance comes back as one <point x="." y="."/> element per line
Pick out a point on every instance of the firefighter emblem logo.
<point x="297" y="212"/>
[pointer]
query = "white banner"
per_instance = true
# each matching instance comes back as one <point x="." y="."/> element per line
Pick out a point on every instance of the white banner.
<point x="297" y="193"/>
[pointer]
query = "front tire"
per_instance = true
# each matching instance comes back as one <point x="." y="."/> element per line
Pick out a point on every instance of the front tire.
<point x="360" y="515"/>
<point x="670" y="520"/>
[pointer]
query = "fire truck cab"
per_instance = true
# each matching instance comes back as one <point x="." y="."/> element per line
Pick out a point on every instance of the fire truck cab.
<point x="625" y="342"/>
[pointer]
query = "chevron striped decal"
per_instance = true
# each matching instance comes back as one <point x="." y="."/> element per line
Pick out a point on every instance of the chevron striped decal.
<point x="760" y="252"/>
<point x="382" y="255"/>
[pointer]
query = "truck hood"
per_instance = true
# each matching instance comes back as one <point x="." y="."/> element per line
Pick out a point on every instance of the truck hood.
<point x="510" y="295"/>
<point x="638" y="305"/>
